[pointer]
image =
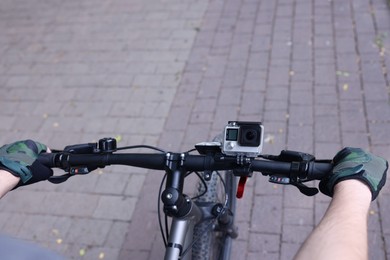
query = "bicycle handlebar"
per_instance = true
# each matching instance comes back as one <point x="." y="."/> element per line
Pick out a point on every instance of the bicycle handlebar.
<point x="287" y="168"/>
<point x="313" y="170"/>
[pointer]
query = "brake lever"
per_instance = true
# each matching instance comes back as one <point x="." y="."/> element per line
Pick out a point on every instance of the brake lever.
<point x="308" y="191"/>
<point x="59" y="179"/>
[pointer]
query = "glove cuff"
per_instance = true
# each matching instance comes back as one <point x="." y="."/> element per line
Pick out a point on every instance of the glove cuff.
<point x="329" y="189"/>
<point x="16" y="169"/>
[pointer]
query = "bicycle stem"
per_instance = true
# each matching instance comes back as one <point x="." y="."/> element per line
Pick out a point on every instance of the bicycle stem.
<point x="175" y="173"/>
<point x="176" y="204"/>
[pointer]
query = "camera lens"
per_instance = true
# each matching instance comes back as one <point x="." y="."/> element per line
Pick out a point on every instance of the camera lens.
<point x="250" y="135"/>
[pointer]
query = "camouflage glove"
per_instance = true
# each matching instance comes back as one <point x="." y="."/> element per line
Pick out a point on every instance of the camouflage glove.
<point x="354" y="163"/>
<point x="20" y="159"/>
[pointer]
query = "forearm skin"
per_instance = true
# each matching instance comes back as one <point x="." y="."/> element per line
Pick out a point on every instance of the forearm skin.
<point x="342" y="233"/>
<point x="7" y="182"/>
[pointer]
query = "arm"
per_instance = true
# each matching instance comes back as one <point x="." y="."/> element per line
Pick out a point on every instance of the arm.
<point x="7" y="182"/>
<point x="356" y="179"/>
<point x="342" y="233"/>
<point x="19" y="165"/>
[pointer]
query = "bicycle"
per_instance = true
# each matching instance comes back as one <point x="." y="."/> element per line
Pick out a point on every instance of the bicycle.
<point x="201" y="227"/>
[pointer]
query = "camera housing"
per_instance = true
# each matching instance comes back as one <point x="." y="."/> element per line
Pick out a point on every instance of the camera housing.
<point x="243" y="138"/>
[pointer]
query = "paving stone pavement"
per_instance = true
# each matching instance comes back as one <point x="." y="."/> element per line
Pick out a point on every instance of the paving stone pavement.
<point x="172" y="74"/>
<point x="77" y="71"/>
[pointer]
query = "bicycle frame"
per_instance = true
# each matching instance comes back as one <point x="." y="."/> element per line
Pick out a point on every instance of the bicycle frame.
<point x="181" y="235"/>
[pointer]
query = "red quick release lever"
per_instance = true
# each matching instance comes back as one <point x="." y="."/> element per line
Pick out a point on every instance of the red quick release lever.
<point x="241" y="187"/>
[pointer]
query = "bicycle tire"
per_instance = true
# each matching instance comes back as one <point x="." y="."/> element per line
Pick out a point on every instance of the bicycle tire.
<point x="212" y="244"/>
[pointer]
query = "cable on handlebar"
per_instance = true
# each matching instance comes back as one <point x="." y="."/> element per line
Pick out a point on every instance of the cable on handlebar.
<point x="141" y="146"/>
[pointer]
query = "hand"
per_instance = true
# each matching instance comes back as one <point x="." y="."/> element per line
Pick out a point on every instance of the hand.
<point x="355" y="163"/>
<point x="20" y="159"/>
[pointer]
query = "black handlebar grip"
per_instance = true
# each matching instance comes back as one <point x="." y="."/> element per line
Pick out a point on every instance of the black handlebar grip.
<point x="318" y="170"/>
<point x="47" y="159"/>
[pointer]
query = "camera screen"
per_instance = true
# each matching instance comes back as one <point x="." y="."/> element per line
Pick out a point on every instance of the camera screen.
<point x="231" y="134"/>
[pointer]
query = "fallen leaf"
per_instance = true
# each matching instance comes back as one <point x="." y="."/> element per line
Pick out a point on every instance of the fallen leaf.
<point x="101" y="255"/>
<point x="118" y="138"/>
<point x="342" y="73"/>
<point x="55" y="232"/>
<point x="269" y="139"/>
<point x="82" y="252"/>
<point x="345" y="87"/>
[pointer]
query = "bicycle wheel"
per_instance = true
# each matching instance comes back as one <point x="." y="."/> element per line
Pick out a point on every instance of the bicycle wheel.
<point x="211" y="243"/>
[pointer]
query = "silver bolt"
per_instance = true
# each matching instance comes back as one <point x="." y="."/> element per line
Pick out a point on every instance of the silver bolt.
<point x="169" y="196"/>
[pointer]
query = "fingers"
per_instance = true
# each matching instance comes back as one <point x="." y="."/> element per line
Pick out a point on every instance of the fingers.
<point x="31" y="145"/>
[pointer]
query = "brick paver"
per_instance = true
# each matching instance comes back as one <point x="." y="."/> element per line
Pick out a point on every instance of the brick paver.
<point x="314" y="72"/>
<point x="77" y="71"/>
<point x="300" y="70"/>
